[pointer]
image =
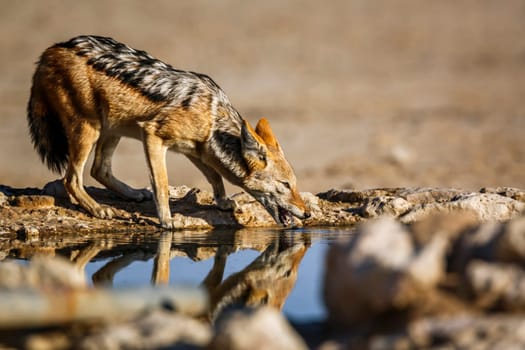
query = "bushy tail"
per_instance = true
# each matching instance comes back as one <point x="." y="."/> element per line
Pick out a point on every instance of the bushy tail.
<point x="47" y="132"/>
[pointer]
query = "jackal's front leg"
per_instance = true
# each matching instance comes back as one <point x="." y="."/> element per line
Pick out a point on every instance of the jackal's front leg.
<point x="215" y="179"/>
<point x="156" y="158"/>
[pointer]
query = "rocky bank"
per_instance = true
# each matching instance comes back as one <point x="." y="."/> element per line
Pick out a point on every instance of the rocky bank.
<point x="48" y="210"/>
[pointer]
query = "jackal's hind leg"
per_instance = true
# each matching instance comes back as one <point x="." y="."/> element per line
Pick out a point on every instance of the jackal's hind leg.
<point x="215" y="179"/>
<point x="102" y="172"/>
<point x="79" y="152"/>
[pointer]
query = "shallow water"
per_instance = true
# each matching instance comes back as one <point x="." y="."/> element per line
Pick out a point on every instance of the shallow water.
<point x="251" y="267"/>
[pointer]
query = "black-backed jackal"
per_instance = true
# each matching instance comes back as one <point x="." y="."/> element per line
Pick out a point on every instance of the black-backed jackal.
<point x="90" y="91"/>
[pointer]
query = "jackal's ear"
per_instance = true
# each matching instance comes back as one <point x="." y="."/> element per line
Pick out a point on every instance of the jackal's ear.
<point x="253" y="148"/>
<point x="264" y="130"/>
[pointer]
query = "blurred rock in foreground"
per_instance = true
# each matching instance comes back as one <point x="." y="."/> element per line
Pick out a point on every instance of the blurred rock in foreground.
<point x="446" y="280"/>
<point x="262" y="328"/>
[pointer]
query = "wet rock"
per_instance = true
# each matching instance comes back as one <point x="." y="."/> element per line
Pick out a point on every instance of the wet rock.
<point x="500" y="286"/>
<point x="427" y="267"/>
<point x="262" y="328"/>
<point x="491" y="242"/>
<point x="34" y="202"/>
<point x="436" y="282"/>
<point x="464" y="332"/>
<point x="249" y="212"/>
<point x="384" y="205"/>
<point x="3" y="199"/>
<point x="180" y="192"/>
<point x="81" y="226"/>
<point x="160" y="329"/>
<point x="381" y="269"/>
<point x="477" y="243"/>
<point x="198" y="210"/>
<point x="424" y="195"/>
<point x="41" y="273"/>
<point x="50" y="341"/>
<point x="182" y="221"/>
<point x="414" y="204"/>
<point x="511" y="192"/>
<point x="376" y="237"/>
<point x="487" y="206"/>
<point x="510" y="247"/>
<point x="451" y="226"/>
<point x="468" y="331"/>
<point x="353" y="196"/>
<point x="28" y="233"/>
<point x="359" y="282"/>
<point x="195" y="209"/>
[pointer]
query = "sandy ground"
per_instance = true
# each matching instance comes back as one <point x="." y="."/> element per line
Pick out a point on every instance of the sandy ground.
<point x="361" y="93"/>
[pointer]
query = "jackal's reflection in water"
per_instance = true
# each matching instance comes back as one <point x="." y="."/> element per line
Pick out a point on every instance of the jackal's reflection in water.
<point x="267" y="280"/>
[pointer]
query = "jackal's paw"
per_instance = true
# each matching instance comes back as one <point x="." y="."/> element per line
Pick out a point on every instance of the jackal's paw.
<point x="170" y="224"/>
<point x="103" y="212"/>
<point x="141" y="195"/>
<point x="226" y="204"/>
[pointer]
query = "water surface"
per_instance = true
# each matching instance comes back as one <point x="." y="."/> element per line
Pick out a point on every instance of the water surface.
<point x="251" y="267"/>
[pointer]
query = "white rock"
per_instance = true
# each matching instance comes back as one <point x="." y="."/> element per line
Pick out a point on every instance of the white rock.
<point x="262" y="328"/>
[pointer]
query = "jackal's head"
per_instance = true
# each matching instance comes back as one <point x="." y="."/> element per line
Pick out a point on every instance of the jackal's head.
<point x="270" y="179"/>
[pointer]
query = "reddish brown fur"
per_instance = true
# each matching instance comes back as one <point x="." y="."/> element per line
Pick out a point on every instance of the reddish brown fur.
<point x="91" y="91"/>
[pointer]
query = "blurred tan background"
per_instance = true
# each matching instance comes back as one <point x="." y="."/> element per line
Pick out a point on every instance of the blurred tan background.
<point x="360" y="93"/>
